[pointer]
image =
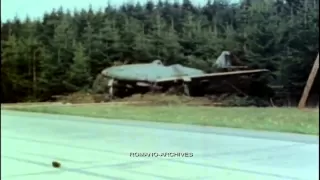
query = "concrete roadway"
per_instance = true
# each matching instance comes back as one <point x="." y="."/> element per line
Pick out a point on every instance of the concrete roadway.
<point x="92" y="149"/>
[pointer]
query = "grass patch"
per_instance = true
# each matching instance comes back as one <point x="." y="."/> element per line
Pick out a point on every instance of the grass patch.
<point x="271" y="119"/>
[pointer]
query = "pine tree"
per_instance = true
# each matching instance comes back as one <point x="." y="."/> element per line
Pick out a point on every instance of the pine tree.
<point x="79" y="76"/>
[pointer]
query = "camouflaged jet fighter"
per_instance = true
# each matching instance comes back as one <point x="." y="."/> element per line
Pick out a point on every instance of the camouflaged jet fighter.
<point x="125" y="80"/>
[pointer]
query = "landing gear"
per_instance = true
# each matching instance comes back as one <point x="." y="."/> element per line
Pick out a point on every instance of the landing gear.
<point x="110" y="94"/>
<point x="186" y="89"/>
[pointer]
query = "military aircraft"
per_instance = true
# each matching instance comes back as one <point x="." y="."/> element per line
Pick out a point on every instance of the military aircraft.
<point x="125" y="80"/>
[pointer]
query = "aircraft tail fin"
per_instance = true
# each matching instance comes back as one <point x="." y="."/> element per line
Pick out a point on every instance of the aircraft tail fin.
<point x="228" y="60"/>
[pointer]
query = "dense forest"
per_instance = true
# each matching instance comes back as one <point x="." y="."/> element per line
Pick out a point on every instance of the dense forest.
<point x="64" y="50"/>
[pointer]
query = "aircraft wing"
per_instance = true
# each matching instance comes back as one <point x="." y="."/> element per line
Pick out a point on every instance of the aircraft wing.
<point x="212" y="75"/>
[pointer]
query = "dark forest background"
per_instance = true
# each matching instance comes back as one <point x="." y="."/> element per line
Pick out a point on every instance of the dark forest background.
<point x="65" y="50"/>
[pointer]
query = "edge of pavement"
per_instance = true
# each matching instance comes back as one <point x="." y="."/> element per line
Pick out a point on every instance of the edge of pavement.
<point x="301" y="138"/>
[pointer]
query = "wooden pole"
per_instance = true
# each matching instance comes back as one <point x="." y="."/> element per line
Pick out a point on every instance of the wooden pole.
<point x="309" y="84"/>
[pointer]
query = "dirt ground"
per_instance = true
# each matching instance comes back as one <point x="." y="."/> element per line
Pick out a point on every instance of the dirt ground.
<point x="146" y="99"/>
<point x="84" y="99"/>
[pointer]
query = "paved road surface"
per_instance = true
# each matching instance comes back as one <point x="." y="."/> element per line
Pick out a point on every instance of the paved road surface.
<point x="92" y="149"/>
